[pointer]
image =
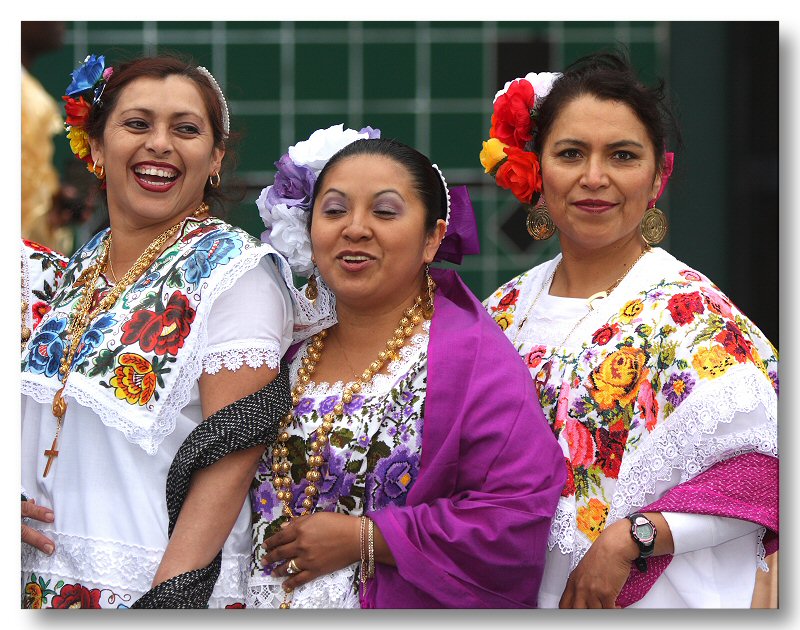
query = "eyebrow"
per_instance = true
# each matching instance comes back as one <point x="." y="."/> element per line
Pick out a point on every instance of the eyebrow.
<point x="377" y="194"/>
<point x="612" y="145"/>
<point x="150" y="112"/>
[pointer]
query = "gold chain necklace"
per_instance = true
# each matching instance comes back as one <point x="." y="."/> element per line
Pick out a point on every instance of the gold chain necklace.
<point x="589" y="301"/>
<point x="83" y="314"/>
<point x="281" y="466"/>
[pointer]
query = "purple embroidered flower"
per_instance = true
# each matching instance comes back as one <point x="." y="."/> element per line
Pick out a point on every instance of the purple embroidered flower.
<point x="327" y="405"/>
<point x="355" y="404"/>
<point x="580" y="407"/>
<point x="391" y="431"/>
<point x="304" y="407"/>
<point x="392" y="479"/>
<point x="773" y="376"/>
<point x="293" y="185"/>
<point x="264" y="500"/>
<point x="678" y="387"/>
<point x="406" y="397"/>
<point x="372" y="134"/>
<point x="363" y="440"/>
<point x="336" y="483"/>
<point x="408" y="410"/>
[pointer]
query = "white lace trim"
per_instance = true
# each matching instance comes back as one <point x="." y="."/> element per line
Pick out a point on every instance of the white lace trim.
<point x="148" y="430"/>
<point x="381" y="384"/>
<point x="310" y="317"/>
<point x="334" y="590"/>
<point x="685" y="442"/>
<point x="234" y="354"/>
<point x="120" y="566"/>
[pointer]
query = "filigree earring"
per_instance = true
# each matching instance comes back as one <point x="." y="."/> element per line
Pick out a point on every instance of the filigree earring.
<point x="654" y="225"/>
<point x="540" y="223"/>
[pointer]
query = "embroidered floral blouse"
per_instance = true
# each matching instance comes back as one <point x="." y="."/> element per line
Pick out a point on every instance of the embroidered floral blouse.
<point x="665" y="378"/>
<point x="373" y="459"/>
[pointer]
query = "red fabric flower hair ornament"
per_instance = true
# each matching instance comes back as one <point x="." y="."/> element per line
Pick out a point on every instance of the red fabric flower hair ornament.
<point x="505" y="155"/>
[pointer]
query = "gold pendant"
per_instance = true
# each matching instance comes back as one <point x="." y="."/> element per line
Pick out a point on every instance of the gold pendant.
<point x="596" y="296"/>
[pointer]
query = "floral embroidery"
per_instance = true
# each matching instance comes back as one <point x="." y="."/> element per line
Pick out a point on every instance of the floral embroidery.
<point x="212" y="250"/>
<point x="129" y="350"/>
<point x="162" y="332"/>
<point x="134" y="380"/>
<point x="630" y="373"/>
<point x="77" y="596"/>
<point x="592" y="518"/>
<point x="616" y="380"/>
<point x="37" y="591"/>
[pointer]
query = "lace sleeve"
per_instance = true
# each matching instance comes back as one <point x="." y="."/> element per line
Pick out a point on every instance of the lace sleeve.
<point x="251" y="323"/>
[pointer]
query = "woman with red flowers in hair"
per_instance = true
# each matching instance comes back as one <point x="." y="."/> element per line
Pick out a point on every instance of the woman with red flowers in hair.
<point x="662" y="394"/>
<point x="156" y="362"/>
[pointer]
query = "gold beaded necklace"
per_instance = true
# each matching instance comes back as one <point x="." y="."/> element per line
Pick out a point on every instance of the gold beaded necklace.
<point x="83" y="314"/>
<point x="281" y="467"/>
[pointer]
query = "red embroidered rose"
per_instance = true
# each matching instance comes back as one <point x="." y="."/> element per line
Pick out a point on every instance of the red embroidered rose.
<point x="77" y="111"/>
<point x="76" y="596"/>
<point x="511" y="120"/>
<point x="236" y="605"/>
<point x="683" y="307"/>
<point x="39" y="310"/>
<point x="535" y="356"/>
<point x="610" y="448"/>
<point x="509" y="299"/>
<point x="569" y="484"/>
<point x="735" y="343"/>
<point x="604" y="334"/>
<point x="160" y="332"/>
<point x="520" y="173"/>
<point x="581" y="446"/>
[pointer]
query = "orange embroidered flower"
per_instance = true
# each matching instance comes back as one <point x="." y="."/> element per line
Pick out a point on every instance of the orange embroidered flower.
<point x="134" y="380"/>
<point x="616" y="380"/>
<point x="592" y="518"/>
<point x="33" y="595"/>
<point x="631" y="311"/>
<point x="712" y="362"/>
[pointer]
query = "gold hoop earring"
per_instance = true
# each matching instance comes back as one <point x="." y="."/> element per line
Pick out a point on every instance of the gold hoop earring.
<point x="215" y="184"/>
<point x="540" y="223"/>
<point x="99" y="175"/>
<point x="654" y="226"/>
<point x="311" y="288"/>
<point x="427" y="311"/>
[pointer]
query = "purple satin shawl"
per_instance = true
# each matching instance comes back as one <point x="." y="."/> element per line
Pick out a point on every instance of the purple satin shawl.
<point x="473" y="531"/>
<point x="743" y="487"/>
<point x="461" y="238"/>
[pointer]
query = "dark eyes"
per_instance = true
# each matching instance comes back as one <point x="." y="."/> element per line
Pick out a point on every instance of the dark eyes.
<point x="138" y="124"/>
<point x="622" y="156"/>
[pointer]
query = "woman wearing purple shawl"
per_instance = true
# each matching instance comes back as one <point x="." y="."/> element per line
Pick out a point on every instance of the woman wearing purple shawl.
<point x="417" y="472"/>
<point x="662" y="394"/>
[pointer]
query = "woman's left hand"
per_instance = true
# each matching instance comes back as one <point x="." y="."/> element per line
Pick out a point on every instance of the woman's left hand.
<point x="318" y="543"/>
<point x="603" y="571"/>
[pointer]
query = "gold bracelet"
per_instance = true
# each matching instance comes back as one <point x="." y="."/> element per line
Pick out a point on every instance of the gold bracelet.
<point x="371" y="550"/>
<point x="362" y="543"/>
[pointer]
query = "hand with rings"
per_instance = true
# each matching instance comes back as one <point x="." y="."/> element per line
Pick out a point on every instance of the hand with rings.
<point x="311" y="546"/>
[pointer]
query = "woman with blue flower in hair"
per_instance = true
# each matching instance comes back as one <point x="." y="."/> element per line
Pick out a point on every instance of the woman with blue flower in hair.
<point x="401" y="478"/>
<point x="149" y="371"/>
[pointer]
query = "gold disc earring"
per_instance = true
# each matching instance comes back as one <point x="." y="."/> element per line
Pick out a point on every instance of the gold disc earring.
<point x="654" y="226"/>
<point x="540" y="223"/>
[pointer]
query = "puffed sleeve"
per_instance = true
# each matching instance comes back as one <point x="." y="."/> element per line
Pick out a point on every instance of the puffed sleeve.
<point x="250" y="323"/>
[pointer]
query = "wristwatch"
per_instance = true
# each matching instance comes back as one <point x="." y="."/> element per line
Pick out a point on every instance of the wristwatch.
<point x="643" y="533"/>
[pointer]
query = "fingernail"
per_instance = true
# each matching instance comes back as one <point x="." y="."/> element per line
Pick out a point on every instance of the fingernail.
<point x="48" y="517"/>
<point x="49" y="549"/>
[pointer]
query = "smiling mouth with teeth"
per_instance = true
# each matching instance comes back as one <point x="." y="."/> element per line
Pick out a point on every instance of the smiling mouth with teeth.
<point x="156" y="176"/>
<point x="355" y="258"/>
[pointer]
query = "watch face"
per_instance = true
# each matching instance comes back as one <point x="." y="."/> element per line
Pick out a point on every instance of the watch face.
<point x="644" y="531"/>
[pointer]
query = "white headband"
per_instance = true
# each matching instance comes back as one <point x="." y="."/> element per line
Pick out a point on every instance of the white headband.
<point x="226" y="121"/>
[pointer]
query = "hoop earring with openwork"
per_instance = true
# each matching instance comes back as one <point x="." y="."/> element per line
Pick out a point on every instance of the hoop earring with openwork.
<point x="654" y="225"/>
<point x="540" y="223"/>
<point x="217" y="183"/>
<point x="101" y="174"/>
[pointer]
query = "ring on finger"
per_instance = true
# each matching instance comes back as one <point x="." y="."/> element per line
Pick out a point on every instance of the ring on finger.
<point x="292" y="568"/>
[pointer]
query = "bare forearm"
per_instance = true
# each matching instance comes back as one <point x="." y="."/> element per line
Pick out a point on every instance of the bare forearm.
<point x="212" y="505"/>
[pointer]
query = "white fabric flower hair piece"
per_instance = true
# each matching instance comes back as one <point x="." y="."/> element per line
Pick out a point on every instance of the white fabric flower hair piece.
<point x="542" y="83"/>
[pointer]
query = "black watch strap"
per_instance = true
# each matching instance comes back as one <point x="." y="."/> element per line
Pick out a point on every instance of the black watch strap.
<point x="643" y="532"/>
